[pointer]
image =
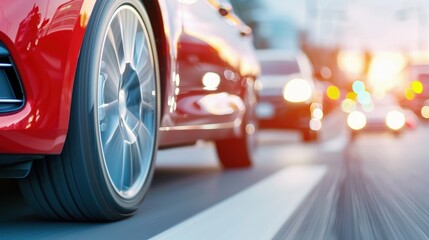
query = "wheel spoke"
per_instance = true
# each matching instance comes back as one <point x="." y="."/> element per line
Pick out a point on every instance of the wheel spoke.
<point x="112" y="140"/>
<point x="129" y="132"/>
<point x="109" y="87"/>
<point x="147" y="106"/>
<point x="140" y="48"/>
<point x="126" y="173"/>
<point x="145" y="134"/>
<point x="137" y="162"/>
<point x="143" y="148"/>
<point x="145" y="72"/>
<point x="134" y="126"/>
<point x="146" y="144"/>
<point x="110" y="56"/>
<point x="113" y="151"/>
<point x="108" y="116"/>
<point x="114" y="48"/>
<point x="129" y="25"/>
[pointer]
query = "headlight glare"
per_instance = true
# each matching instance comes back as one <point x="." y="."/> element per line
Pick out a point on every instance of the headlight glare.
<point x="356" y="120"/>
<point x="297" y="90"/>
<point x="395" y="120"/>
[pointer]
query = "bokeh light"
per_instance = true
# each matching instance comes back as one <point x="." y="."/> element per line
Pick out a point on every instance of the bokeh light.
<point x="358" y="87"/>
<point x="356" y="120"/>
<point x="297" y="90"/>
<point x="351" y="95"/>
<point x="364" y="98"/>
<point x="315" y="124"/>
<point x="425" y="112"/>
<point x="409" y="94"/>
<point x="333" y="92"/>
<point x="417" y="86"/>
<point x="351" y="62"/>
<point x="386" y="71"/>
<point x="211" y="80"/>
<point x="348" y="105"/>
<point x="368" y="107"/>
<point x="317" y="114"/>
<point x="395" y="120"/>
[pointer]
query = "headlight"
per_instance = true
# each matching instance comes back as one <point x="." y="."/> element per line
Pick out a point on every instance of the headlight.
<point x="297" y="90"/>
<point x="395" y="120"/>
<point x="425" y="112"/>
<point x="356" y="120"/>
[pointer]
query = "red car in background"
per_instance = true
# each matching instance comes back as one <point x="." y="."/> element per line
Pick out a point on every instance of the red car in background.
<point x="90" y="89"/>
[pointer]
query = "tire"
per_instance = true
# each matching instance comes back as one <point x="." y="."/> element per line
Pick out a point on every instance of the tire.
<point x="237" y="152"/>
<point x="353" y="135"/>
<point x="106" y="166"/>
<point x="309" y="135"/>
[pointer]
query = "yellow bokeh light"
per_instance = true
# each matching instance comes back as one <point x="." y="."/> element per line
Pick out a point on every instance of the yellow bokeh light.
<point x="333" y="92"/>
<point x="351" y="96"/>
<point x="417" y="86"/>
<point x="409" y="94"/>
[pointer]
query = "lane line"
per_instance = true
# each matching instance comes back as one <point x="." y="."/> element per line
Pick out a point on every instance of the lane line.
<point x="257" y="212"/>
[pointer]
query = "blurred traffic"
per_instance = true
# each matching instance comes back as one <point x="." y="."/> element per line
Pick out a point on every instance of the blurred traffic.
<point x="358" y="56"/>
<point x="214" y="119"/>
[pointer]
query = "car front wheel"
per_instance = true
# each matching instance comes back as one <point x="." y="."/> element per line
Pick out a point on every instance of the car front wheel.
<point x="106" y="166"/>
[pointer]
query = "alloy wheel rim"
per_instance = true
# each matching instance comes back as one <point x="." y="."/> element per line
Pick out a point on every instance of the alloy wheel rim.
<point x="126" y="100"/>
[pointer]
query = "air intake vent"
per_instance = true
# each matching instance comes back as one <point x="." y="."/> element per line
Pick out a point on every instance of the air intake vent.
<point x="11" y="94"/>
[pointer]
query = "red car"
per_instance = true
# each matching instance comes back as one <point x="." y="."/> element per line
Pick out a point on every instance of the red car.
<point x="288" y="97"/>
<point x="90" y="89"/>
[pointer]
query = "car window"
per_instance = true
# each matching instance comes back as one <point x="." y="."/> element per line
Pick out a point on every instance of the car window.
<point x="277" y="67"/>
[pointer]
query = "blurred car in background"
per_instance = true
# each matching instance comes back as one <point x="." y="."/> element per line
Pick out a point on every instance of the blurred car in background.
<point x="90" y="89"/>
<point x="417" y="91"/>
<point x="381" y="115"/>
<point x="287" y="95"/>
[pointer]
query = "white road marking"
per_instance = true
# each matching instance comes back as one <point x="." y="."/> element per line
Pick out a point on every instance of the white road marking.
<point x="257" y="212"/>
<point x="201" y="155"/>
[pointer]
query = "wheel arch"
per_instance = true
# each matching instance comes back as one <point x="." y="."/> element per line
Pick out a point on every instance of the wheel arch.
<point x="157" y="12"/>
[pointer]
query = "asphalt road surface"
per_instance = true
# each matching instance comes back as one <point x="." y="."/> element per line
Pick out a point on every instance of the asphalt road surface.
<point x="375" y="187"/>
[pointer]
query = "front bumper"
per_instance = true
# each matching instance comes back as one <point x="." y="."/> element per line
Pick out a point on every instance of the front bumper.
<point x="377" y="127"/>
<point x="275" y="112"/>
